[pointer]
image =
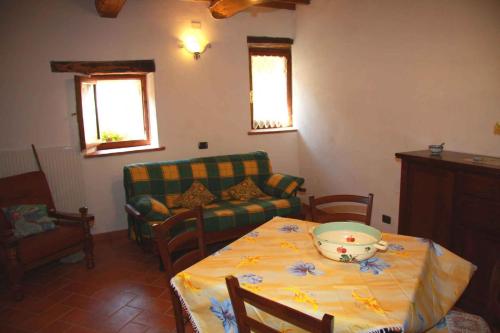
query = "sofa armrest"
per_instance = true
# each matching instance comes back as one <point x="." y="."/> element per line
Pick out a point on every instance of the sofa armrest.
<point x="281" y="185"/>
<point x="134" y="213"/>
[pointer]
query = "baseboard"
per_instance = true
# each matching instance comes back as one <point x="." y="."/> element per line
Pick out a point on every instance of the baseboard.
<point x="111" y="236"/>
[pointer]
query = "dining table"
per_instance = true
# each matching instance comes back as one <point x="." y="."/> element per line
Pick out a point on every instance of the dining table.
<point x="409" y="287"/>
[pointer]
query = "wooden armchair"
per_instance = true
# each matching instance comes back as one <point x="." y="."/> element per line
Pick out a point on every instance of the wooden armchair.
<point x="18" y="255"/>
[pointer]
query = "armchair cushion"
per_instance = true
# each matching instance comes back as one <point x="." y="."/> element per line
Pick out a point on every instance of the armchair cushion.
<point x="150" y="208"/>
<point x="28" y="219"/>
<point x="282" y="186"/>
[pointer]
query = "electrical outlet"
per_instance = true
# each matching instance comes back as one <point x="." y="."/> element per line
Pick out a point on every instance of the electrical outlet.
<point x="497" y="128"/>
<point x="386" y="219"/>
<point x="203" y="145"/>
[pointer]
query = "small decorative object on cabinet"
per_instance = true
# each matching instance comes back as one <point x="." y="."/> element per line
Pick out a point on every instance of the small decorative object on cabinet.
<point x="454" y="199"/>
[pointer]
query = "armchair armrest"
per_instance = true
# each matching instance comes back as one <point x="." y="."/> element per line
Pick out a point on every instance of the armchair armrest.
<point x="83" y="216"/>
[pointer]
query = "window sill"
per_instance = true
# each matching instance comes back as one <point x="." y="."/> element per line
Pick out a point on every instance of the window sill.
<point x="122" y="151"/>
<point x="272" y="130"/>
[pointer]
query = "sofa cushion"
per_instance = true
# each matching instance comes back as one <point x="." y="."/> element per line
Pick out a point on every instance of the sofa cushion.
<point x="225" y="215"/>
<point x="282" y="186"/>
<point x="245" y="190"/>
<point x="38" y="246"/>
<point x="150" y="208"/>
<point x="196" y="195"/>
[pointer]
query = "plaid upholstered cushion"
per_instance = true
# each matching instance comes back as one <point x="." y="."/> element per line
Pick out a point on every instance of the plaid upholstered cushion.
<point x="282" y="186"/>
<point x="225" y="215"/>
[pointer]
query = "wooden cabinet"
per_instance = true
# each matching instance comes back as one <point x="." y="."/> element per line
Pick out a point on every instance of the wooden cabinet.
<point x="456" y="202"/>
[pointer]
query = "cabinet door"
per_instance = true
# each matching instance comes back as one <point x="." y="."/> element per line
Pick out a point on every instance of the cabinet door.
<point x="482" y="250"/>
<point x="426" y="202"/>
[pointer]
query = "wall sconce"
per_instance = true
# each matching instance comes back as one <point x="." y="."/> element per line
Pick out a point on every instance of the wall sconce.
<point x="193" y="41"/>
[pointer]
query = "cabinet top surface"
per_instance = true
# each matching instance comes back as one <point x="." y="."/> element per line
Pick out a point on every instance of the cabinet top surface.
<point x="483" y="162"/>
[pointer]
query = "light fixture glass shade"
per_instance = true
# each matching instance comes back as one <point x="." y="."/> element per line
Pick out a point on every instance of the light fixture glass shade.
<point x="194" y="43"/>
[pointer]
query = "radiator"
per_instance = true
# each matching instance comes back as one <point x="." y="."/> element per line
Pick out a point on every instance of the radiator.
<point x="62" y="166"/>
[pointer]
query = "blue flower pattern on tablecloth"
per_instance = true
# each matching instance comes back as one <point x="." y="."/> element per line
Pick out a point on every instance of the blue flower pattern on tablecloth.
<point x="442" y="323"/>
<point x="224" y="311"/>
<point x="250" y="278"/>
<point x="376" y="265"/>
<point x="421" y="323"/>
<point x="438" y="250"/>
<point x="288" y="228"/>
<point x="224" y="249"/>
<point x="253" y="234"/>
<point x="302" y="268"/>
<point x="396" y="247"/>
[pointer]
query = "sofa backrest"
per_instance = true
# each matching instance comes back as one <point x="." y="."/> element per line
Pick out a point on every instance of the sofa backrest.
<point x="166" y="181"/>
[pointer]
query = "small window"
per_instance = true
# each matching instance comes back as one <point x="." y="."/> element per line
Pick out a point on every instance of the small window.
<point x="270" y="84"/>
<point x="112" y="111"/>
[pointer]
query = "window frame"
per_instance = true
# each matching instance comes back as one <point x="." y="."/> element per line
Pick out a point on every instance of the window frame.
<point x="270" y="46"/>
<point x="79" y="80"/>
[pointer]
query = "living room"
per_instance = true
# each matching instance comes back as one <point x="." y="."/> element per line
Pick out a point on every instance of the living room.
<point x="369" y="79"/>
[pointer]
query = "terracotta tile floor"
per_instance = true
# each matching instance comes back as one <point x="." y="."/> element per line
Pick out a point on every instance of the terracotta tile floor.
<point x="125" y="292"/>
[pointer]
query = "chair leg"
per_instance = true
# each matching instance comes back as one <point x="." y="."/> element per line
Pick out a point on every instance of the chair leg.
<point x="89" y="252"/>
<point x="179" y="318"/>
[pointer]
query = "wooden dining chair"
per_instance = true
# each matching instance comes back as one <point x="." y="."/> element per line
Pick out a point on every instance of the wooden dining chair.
<point x="240" y="296"/>
<point x="179" y="252"/>
<point x="355" y="213"/>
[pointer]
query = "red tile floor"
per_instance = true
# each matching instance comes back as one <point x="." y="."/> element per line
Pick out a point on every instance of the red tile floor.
<point x="125" y="292"/>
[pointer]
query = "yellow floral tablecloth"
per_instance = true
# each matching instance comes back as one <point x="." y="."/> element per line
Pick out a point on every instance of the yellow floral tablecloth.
<point x="410" y="287"/>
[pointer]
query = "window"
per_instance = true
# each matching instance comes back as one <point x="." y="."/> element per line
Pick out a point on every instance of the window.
<point x="270" y="83"/>
<point x="112" y="111"/>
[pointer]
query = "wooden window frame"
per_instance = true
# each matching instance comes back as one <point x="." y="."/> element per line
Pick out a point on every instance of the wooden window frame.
<point x="111" y="145"/>
<point x="268" y="46"/>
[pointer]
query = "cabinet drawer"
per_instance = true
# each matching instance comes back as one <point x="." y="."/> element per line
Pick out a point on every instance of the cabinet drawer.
<point x="480" y="186"/>
<point x="479" y="214"/>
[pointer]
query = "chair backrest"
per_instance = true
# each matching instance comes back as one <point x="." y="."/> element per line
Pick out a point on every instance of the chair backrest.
<point x="189" y="246"/>
<point x="318" y="215"/>
<point x="24" y="189"/>
<point x="240" y="296"/>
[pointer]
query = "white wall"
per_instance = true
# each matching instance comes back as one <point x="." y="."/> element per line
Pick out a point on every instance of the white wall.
<point x="205" y="100"/>
<point x="372" y="78"/>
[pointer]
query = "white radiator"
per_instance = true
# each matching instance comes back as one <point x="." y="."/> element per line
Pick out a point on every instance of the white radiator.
<point x="62" y="166"/>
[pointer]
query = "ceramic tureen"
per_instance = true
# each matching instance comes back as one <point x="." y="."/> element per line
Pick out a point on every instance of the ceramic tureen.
<point x="347" y="241"/>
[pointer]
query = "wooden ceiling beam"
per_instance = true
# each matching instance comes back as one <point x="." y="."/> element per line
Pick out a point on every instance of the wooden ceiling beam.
<point x="109" y="8"/>
<point x="227" y="8"/>
<point x="278" y="5"/>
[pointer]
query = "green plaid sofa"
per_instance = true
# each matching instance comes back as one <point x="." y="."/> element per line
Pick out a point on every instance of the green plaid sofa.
<point x="225" y="218"/>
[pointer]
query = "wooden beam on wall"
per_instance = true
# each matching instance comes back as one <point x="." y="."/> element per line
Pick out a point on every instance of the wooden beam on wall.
<point x="103" y="67"/>
<point x="109" y="8"/>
